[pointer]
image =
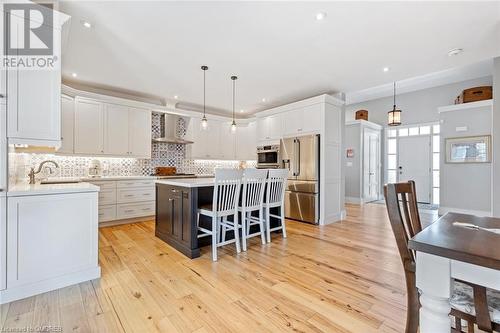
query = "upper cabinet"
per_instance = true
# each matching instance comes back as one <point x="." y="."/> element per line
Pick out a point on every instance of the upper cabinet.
<point x="33" y="95"/>
<point x="89" y="127"/>
<point x="270" y="128"/>
<point x="218" y="142"/>
<point x="67" y="125"/>
<point x="111" y="129"/>
<point x="303" y="120"/>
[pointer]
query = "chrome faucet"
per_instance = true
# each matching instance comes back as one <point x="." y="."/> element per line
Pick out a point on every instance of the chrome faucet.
<point x="32" y="172"/>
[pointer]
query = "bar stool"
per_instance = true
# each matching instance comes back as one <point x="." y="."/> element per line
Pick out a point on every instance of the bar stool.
<point x="275" y="197"/>
<point x="227" y="188"/>
<point x="254" y="183"/>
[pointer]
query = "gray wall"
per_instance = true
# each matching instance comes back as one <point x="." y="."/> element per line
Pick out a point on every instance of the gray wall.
<point x="496" y="137"/>
<point x="418" y="106"/>
<point x="465" y="186"/>
<point x="352" y="173"/>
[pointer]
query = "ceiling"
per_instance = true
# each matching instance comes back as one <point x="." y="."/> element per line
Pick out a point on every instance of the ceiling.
<point x="278" y="50"/>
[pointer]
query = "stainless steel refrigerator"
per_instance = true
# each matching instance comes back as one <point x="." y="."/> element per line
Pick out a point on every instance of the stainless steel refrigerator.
<point x="300" y="155"/>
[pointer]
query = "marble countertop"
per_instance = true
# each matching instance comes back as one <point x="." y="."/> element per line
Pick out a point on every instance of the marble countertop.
<point x="188" y="182"/>
<point x="24" y="189"/>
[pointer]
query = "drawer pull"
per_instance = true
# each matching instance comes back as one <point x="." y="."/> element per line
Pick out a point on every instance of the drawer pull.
<point x="101" y="214"/>
<point x="129" y="211"/>
<point x="148" y="194"/>
<point x="129" y="195"/>
<point x="146" y="209"/>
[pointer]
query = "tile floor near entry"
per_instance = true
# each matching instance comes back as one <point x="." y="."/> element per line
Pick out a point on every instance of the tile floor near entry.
<point x="344" y="277"/>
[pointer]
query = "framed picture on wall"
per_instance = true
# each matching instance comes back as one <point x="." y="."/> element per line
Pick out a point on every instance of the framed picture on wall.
<point x="471" y="149"/>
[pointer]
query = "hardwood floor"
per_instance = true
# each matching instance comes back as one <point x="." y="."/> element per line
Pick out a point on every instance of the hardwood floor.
<point x="344" y="277"/>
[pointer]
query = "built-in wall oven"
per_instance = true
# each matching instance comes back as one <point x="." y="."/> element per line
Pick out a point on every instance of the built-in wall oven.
<point x="268" y="157"/>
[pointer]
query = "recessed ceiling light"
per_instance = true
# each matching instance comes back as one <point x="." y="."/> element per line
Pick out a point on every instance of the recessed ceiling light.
<point x="386" y="69"/>
<point x="176" y="97"/>
<point x="454" y="52"/>
<point x="74" y="74"/>
<point x="86" y="24"/>
<point x="263" y="100"/>
<point x="320" y="16"/>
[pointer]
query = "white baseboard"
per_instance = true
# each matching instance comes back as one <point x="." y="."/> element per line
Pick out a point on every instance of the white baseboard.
<point x="443" y="210"/>
<point x="334" y="218"/>
<point x="126" y="221"/>
<point x="20" y="292"/>
<point x="353" y="200"/>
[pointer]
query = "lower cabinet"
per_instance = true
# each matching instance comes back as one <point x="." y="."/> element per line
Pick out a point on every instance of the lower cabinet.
<point x="51" y="242"/>
<point x="125" y="199"/>
<point x="174" y="211"/>
<point x="3" y="243"/>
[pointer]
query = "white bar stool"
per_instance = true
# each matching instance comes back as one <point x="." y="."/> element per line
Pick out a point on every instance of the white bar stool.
<point x="254" y="183"/>
<point x="275" y="197"/>
<point x="227" y="188"/>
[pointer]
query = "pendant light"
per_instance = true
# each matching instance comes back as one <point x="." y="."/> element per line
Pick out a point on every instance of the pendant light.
<point x="233" y="124"/>
<point x="394" y="114"/>
<point x="204" y="121"/>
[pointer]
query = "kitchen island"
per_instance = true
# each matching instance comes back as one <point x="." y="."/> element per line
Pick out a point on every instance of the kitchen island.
<point x="177" y="201"/>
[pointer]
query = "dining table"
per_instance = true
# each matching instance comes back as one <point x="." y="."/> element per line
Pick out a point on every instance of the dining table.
<point x="447" y="250"/>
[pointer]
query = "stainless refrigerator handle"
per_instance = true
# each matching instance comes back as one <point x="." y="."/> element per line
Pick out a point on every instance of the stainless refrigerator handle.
<point x="298" y="157"/>
<point x="294" y="173"/>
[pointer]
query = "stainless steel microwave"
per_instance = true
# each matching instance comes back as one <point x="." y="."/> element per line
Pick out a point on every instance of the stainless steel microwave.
<point x="268" y="157"/>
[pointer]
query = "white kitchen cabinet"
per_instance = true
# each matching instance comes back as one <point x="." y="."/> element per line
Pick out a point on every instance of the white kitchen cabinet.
<point x="50" y="237"/>
<point x="303" y="120"/>
<point x="3" y="243"/>
<point x="270" y="127"/>
<point x="3" y="148"/>
<point x="116" y="130"/>
<point x="33" y="103"/>
<point x="227" y="141"/>
<point x="67" y="125"/>
<point x="246" y="142"/>
<point x="89" y="127"/>
<point x="206" y="141"/>
<point x="139" y="133"/>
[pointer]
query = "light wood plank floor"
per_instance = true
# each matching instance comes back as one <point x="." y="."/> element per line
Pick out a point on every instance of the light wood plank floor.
<point x="345" y="277"/>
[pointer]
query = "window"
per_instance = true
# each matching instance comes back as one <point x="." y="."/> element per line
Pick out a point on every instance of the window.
<point x="436" y="129"/>
<point x="391" y="146"/>
<point x="436" y="148"/>
<point x="403" y="132"/>
<point x="413" y="131"/>
<point x="425" y="130"/>
<point x="392" y="133"/>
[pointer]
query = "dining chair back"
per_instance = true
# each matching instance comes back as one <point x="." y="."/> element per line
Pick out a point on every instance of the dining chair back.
<point x="275" y="197"/>
<point x="227" y="186"/>
<point x="402" y="208"/>
<point x="254" y="184"/>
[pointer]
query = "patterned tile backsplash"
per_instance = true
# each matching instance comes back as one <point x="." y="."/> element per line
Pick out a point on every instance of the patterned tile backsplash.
<point x="162" y="154"/>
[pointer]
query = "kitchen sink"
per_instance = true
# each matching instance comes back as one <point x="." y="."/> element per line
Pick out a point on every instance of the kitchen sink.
<point x="59" y="181"/>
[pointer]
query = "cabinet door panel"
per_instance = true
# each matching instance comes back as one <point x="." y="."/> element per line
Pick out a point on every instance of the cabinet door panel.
<point x="116" y="130"/>
<point x="292" y="122"/>
<point x="227" y="142"/>
<point x="67" y="125"/>
<point x="3" y="244"/>
<point x="140" y="133"/>
<point x="39" y="236"/>
<point x="88" y="127"/>
<point x="246" y="142"/>
<point x="312" y="118"/>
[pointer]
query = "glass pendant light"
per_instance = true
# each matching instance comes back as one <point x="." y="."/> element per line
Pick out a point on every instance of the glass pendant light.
<point x="204" y="121"/>
<point x="395" y="114"/>
<point x="233" y="124"/>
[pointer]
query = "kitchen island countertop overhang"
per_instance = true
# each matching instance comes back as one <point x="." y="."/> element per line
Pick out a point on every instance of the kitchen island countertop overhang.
<point x="188" y="182"/>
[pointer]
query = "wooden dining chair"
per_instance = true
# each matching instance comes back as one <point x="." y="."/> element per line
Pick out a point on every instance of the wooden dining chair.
<point x="469" y="302"/>
<point x="275" y="197"/>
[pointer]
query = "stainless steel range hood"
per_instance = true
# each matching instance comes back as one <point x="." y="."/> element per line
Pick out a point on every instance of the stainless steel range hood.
<point x="169" y="130"/>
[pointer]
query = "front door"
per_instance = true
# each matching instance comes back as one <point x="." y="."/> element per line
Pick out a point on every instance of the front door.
<point x="415" y="164"/>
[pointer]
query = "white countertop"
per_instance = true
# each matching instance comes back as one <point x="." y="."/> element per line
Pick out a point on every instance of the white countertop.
<point x="188" y="182"/>
<point x="24" y="189"/>
<point x="90" y="179"/>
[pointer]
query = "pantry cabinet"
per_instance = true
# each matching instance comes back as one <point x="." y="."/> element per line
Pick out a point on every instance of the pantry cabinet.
<point x="111" y="129"/>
